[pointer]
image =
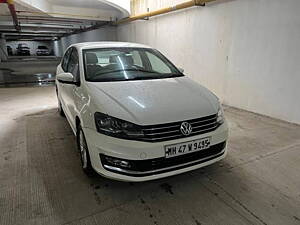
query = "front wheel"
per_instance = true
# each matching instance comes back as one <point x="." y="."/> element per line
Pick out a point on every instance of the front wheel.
<point x="60" y="109"/>
<point x="84" y="153"/>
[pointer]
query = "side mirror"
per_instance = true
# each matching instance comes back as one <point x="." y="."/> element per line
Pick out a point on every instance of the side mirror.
<point x="180" y="70"/>
<point x="66" y="78"/>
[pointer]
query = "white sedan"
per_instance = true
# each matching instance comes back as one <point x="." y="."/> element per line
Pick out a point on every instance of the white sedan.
<point x="136" y="116"/>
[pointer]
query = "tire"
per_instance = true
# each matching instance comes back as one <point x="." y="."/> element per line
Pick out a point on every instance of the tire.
<point x="84" y="153"/>
<point x="60" y="109"/>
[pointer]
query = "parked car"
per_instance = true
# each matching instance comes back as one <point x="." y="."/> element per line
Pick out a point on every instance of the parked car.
<point x="42" y="50"/>
<point x="23" y="49"/>
<point x="136" y="116"/>
<point x="9" y="50"/>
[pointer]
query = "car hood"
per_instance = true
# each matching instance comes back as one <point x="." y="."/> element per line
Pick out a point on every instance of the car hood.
<point x="157" y="101"/>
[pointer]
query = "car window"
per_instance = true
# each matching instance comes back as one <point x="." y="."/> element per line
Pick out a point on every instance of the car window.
<point x="157" y="64"/>
<point x="119" y="64"/>
<point x="137" y="60"/>
<point x="73" y="65"/>
<point x="65" y="59"/>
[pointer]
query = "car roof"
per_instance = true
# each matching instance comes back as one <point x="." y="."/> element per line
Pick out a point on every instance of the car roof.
<point x="108" y="44"/>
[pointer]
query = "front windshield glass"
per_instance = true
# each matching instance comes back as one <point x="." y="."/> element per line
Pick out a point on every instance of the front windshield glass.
<point x="121" y="64"/>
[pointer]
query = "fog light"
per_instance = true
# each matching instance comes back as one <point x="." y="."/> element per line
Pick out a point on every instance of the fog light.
<point x="111" y="161"/>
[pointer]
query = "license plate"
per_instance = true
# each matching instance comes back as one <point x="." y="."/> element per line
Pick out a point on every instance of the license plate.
<point x="187" y="147"/>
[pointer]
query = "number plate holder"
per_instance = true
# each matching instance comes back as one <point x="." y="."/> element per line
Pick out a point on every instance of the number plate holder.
<point x="187" y="147"/>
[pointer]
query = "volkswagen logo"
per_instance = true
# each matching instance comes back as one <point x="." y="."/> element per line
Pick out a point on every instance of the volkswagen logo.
<point x="186" y="128"/>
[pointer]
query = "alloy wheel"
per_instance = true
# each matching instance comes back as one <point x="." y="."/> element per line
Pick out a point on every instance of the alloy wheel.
<point x="83" y="150"/>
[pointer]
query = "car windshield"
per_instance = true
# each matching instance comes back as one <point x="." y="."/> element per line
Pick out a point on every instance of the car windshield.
<point x="121" y="64"/>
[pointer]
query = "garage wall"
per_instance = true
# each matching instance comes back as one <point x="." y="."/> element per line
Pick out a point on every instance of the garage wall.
<point x="245" y="51"/>
<point x="102" y="34"/>
<point x="33" y="45"/>
<point x="3" y="50"/>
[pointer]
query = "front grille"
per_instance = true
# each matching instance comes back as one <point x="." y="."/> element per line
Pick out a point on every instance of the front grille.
<point x="148" y="167"/>
<point x="170" y="131"/>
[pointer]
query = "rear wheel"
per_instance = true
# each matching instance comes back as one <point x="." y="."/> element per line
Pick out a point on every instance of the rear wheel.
<point x="84" y="153"/>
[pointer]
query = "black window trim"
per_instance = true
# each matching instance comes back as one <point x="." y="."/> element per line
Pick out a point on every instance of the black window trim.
<point x="77" y="83"/>
<point x="62" y="61"/>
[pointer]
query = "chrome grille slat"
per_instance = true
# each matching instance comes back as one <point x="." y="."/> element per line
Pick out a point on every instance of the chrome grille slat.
<point x="166" y="132"/>
<point x="180" y="135"/>
<point x="195" y="127"/>
<point x="200" y="131"/>
<point x="192" y="123"/>
<point x="159" y="128"/>
<point x="170" y="131"/>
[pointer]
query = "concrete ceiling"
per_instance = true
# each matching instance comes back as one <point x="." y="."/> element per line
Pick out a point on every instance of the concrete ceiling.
<point x="4" y="10"/>
<point x="51" y="19"/>
<point x="92" y="4"/>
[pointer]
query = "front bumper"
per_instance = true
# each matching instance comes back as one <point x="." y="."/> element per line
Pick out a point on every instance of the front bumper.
<point x="151" y="154"/>
<point x="42" y="53"/>
<point x="24" y="53"/>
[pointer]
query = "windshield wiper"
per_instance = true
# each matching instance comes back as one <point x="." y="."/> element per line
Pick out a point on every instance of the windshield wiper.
<point x="145" y="78"/>
<point x="129" y="79"/>
<point x="158" y="76"/>
<point x="138" y="70"/>
<point x="162" y="76"/>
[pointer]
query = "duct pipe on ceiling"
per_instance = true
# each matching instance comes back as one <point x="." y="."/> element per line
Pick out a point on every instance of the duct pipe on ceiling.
<point x="12" y="9"/>
<point x="57" y="14"/>
<point x="183" y="5"/>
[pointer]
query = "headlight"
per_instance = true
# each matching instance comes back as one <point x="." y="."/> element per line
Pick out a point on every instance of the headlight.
<point x="220" y="118"/>
<point x="115" y="127"/>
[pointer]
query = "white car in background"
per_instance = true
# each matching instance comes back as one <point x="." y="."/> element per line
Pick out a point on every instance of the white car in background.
<point x="42" y="51"/>
<point x="135" y="115"/>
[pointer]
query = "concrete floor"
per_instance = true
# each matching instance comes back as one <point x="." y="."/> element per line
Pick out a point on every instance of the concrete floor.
<point x="42" y="182"/>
